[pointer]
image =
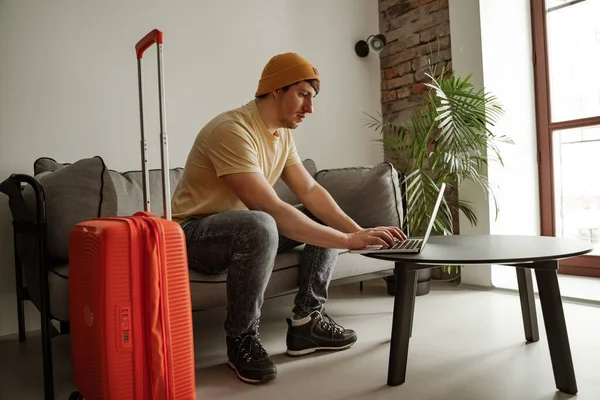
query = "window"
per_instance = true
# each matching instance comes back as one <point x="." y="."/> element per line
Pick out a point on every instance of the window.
<point x="567" y="60"/>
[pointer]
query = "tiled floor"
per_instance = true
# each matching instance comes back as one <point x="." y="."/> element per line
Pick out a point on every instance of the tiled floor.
<point x="466" y="344"/>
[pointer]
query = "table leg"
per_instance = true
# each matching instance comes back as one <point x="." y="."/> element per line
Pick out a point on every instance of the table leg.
<point x="556" y="330"/>
<point x="527" y="304"/>
<point x="404" y="302"/>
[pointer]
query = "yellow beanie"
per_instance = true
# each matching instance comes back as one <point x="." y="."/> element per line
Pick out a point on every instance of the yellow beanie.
<point x="283" y="70"/>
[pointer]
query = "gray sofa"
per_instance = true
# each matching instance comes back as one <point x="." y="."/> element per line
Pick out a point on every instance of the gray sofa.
<point x="47" y="204"/>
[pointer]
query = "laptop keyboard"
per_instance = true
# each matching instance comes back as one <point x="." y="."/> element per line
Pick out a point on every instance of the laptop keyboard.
<point x="407" y="244"/>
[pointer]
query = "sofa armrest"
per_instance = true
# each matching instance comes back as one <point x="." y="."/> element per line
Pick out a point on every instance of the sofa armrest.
<point x="29" y="234"/>
<point x="371" y="196"/>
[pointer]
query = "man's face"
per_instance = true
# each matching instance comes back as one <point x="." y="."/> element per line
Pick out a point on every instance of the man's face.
<point x="293" y="105"/>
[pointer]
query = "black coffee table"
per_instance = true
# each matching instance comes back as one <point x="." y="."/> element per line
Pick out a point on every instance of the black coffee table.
<point x="540" y="253"/>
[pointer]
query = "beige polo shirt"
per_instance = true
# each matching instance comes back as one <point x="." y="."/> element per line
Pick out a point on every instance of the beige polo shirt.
<point x="233" y="142"/>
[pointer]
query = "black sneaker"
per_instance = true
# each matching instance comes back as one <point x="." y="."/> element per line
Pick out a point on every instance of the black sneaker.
<point x="318" y="332"/>
<point x="249" y="359"/>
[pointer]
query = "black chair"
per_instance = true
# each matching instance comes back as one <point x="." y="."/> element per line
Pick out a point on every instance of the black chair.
<point x="32" y="265"/>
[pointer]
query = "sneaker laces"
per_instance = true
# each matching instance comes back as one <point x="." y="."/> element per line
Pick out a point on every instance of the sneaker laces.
<point x="250" y="347"/>
<point x="329" y="325"/>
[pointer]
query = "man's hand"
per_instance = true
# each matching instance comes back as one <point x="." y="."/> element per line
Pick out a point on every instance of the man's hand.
<point x="383" y="235"/>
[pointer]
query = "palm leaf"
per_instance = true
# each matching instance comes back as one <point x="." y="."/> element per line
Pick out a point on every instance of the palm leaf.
<point x="448" y="139"/>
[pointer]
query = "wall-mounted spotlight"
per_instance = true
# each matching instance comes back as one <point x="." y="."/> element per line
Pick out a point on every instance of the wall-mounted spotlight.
<point x="374" y="43"/>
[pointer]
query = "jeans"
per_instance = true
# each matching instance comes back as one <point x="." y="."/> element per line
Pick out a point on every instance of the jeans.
<point x="245" y="244"/>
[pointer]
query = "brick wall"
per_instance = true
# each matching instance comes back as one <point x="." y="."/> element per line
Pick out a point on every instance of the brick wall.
<point x="416" y="31"/>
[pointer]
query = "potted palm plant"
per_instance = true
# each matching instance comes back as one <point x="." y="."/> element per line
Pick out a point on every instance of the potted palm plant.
<point x="447" y="140"/>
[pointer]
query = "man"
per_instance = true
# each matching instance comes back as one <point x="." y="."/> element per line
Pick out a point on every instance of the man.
<point x="234" y="221"/>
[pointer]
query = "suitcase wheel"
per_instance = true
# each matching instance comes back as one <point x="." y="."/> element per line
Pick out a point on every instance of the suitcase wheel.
<point x="75" y="396"/>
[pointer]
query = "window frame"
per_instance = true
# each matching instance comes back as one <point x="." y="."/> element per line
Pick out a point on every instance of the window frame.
<point x="587" y="265"/>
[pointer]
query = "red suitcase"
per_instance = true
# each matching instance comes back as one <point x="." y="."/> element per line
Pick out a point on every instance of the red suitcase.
<point x="130" y="306"/>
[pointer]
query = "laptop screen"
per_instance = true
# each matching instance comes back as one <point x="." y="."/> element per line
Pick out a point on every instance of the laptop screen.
<point x="434" y="213"/>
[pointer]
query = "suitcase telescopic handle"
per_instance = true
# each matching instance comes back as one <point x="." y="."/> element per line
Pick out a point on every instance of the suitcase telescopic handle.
<point x="154" y="37"/>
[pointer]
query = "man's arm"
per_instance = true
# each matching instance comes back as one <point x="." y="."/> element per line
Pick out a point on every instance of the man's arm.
<point x="317" y="199"/>
<point x="320" y="203"/>
<point x="256" y="193"/>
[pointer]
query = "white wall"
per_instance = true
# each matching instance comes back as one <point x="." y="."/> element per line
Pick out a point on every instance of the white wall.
<point x="500" y="61"/>
<point x="465" y="36"/>
<point x="508" y="73"/>
<point x="68" y="83"/>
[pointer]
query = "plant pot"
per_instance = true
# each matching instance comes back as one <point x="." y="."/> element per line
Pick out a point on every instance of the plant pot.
<point x="423" y="282"/>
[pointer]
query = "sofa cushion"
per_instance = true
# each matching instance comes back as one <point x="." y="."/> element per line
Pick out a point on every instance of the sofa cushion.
<point x="129" y="190"/>
<point x="285" y="193"/>
<point x="47" y="164"/>
<point x="369" y="195"/>
<point x="74" y="193"/>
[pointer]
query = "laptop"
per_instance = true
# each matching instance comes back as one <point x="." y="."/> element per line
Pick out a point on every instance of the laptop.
<point x="410" y="245"/>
